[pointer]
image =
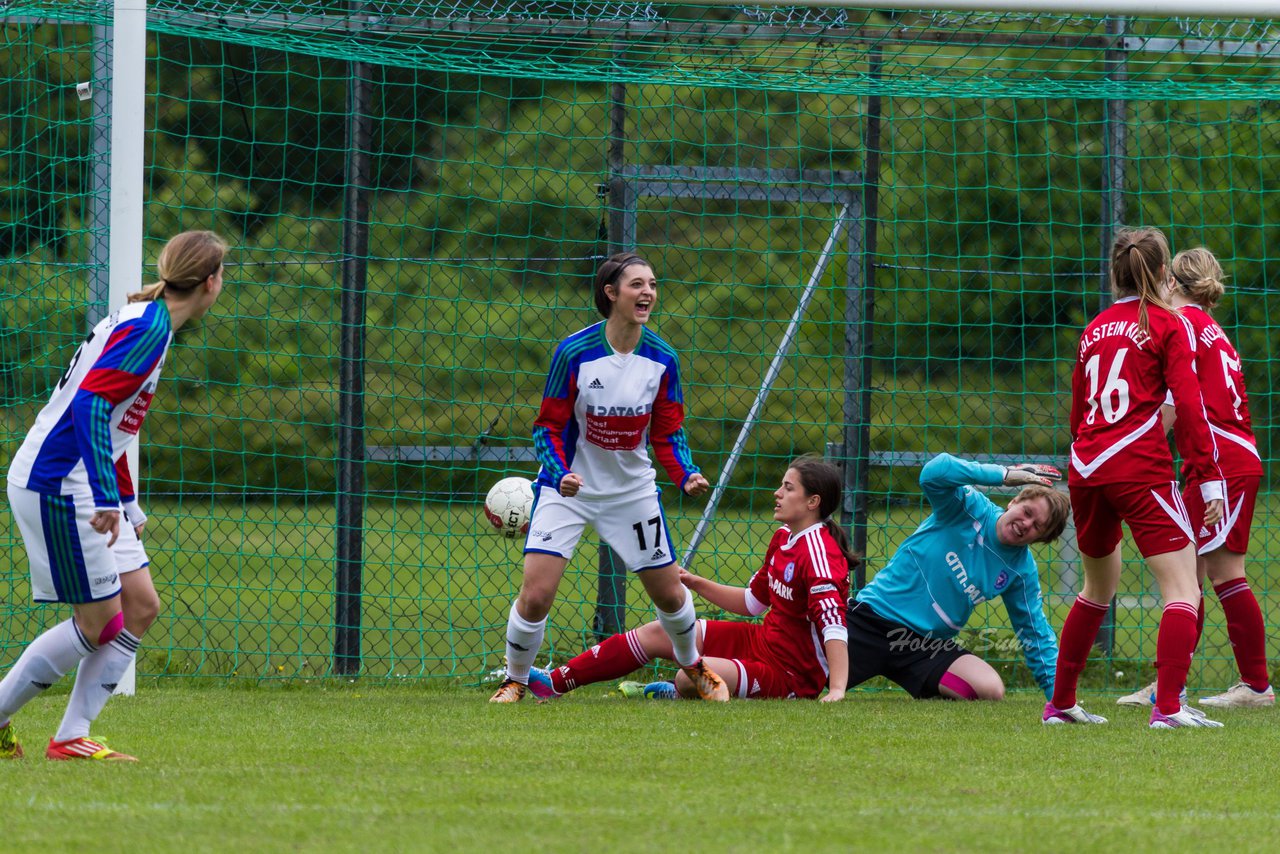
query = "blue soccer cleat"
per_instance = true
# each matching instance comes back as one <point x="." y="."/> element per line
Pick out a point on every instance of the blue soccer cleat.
<point x="540" y="684"/>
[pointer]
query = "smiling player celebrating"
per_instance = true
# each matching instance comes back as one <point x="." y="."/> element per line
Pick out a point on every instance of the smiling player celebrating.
<point x="613" y="388"/>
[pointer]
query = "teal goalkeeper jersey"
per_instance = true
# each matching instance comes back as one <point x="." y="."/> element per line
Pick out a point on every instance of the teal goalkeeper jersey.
<point x="954" y="562"/>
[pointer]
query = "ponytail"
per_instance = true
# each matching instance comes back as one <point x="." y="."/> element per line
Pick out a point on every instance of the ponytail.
<point x="186" y="262"/>
<point x="1137" y="258"/>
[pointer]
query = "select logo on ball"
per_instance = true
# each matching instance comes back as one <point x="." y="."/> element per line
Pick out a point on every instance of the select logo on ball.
<point x="508" y="505"/>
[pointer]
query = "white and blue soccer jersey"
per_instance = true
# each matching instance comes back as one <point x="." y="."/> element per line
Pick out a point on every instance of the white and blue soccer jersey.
<point x="97" y="409"/>
<point x="954" y="562"/>
<point x="600" y="409"/>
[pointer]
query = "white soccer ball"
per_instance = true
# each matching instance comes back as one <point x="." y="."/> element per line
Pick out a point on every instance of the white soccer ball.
<point x="508" y="505"/>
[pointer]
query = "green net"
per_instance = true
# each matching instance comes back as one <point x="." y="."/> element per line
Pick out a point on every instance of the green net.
<point x="948" y="182"/>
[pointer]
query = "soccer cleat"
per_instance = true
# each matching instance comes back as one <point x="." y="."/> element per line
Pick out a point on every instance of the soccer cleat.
<point x="1184" y="717"/>
<point x="540" y="684"/>
<point x="705" y="681"/>
<point x="84" y="748"/>
<point x="1147" y="697"/>
<point x="651" y="691"/>
<point x="9" y="747"/>
<point x="1238" y="696"/>
<point x="1073" y="715"/>
<point x="510" y="691"/>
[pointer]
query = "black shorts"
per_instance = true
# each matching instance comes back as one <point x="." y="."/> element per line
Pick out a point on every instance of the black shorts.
<point x="880" y="647"/>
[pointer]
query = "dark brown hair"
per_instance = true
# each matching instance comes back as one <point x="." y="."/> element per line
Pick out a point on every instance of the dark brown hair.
<point x="609" y="274"/>
<point x="821" y="478"/>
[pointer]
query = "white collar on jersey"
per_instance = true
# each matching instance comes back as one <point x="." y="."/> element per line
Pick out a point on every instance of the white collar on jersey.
<point x="794" y="538"/>
<point x="1124" y="299"/>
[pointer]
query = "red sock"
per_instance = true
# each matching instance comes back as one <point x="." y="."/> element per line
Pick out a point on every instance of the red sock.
<point x="1244" y="627"/>
<point x="1199" y="622"/>
<point x="1175" y="642"/>
<point x="1078" y="634"/>
<point x="612" y="658"/>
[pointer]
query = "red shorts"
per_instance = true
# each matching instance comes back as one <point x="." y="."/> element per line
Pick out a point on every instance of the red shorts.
<point x="1232" y="533"/>
<point x="743" y="644"/>
<point x="1154" y="513"/>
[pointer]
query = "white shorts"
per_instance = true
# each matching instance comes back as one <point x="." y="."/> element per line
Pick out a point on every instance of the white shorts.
<point x="633" y="526"/>
<point x="70" y="562"/>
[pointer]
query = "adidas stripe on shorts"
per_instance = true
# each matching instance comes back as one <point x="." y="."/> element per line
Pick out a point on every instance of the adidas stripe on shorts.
<point x="70" y="562"/>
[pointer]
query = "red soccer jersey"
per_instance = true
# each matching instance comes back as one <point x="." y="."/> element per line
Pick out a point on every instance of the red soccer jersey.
<point x="1121" y="379"/>
<point x="805" y="583"/>
<point x="1225" y="399"/>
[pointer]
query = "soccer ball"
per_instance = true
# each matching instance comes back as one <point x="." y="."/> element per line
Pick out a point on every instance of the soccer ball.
<point x="508" y="505"/>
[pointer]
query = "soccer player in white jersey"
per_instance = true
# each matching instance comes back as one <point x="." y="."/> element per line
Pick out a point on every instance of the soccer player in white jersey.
<point x="613" y="390"/>
<point x="1195" y="288"/>
<point x="68" y="486"/>
<point x="1131" y="355"/>
<point x="801" y="646"/>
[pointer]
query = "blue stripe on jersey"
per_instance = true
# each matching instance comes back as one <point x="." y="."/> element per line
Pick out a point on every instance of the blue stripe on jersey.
<point x="62" y="542"/>
<point x="571" y="351"/>
<point x="546" y="454"/>
<point x="143" y="343"/>
<point x="684" y="456"/>
<point x="58" y="454"/>
<point x="654" y="348"/>
<point x="91" y="417"/>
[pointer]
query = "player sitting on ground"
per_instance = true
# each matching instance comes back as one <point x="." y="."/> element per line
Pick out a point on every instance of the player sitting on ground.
<point x="799" y="649"/>
<point x="903" y="624"/>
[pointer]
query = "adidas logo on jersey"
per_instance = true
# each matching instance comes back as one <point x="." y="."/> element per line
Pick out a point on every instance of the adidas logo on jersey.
<point x="595" y="383"/>
<point x="657" y="553"/>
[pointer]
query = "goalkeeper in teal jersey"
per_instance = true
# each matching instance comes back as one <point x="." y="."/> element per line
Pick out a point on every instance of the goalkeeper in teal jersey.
<point x="903" y="624"/>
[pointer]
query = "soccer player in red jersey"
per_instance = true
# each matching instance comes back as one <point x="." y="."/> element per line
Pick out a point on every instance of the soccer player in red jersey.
<point x="613" y="391"/>
<point x="801" y="646"/>
<point x="1194" y="290"/>
<point x="1130" y="357"/>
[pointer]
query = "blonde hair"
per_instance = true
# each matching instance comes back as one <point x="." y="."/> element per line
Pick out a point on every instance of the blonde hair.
<point x="1198" y="276"/>
<point x="1059" y="508"/>
<point x="185" y="262"/>
<point x="1137" y="257"/>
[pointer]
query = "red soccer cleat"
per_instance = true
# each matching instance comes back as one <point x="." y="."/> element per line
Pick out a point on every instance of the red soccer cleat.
<point x="85" y="748"/>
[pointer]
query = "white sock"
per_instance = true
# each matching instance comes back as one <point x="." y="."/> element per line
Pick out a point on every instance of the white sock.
<point x="682" y="628"/>
<point x="45" y="660"/>
<point x="97" y="677"/>
<point x="523" y="641"/>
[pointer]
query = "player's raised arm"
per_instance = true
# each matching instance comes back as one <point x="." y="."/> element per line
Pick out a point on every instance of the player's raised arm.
<point x="944" y="477"/>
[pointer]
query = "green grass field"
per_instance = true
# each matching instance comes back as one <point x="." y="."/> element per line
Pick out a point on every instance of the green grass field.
<point x="355" y="768"/>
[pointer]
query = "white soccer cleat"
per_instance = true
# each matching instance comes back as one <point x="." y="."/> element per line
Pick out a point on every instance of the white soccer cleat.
<point x="1241" y="696"/>
<point x="1142" y="697"/>
<point x="1184" y="717"/>
<point x="1074" y="715"/>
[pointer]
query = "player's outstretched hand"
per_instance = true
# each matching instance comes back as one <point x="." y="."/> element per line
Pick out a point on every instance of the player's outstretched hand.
<point x="106" y="522"/>
<point x="570" y="484"/>
<point x="1025" y="474"/>
<point x="832" y="696"/>
<point x="696" y="484"/>
<point x="1213" y="512"/>
<point x="688" y="579"/>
